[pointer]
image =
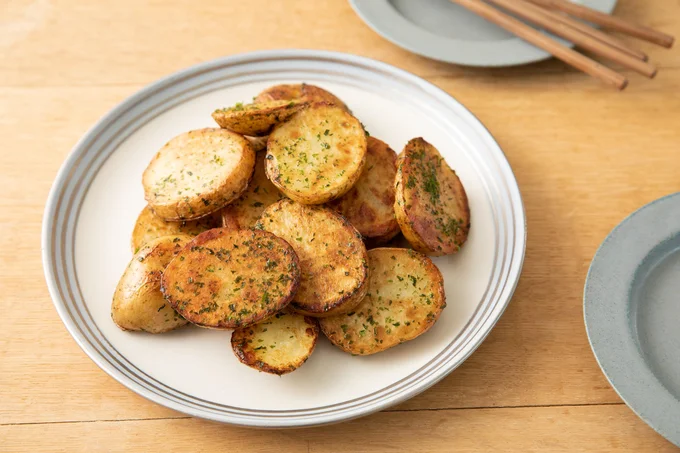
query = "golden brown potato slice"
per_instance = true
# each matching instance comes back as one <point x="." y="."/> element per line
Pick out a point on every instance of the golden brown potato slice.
<point x="299" y="92"/>
<point x="138" y="303"/>
<point x="333" y="264"/>
<point x="405" y="297"/>
<point x="369" y="205"/>
<point x="198" y="173"/>
<point x="317" y="155"/>
<point x="246" y="211"/>
<point x="431" y="204"/>
<point x="256" y="119"/>
<point x="149" y="226"/>
<point x="231" y="278"/>
<point x="277" y="345"/>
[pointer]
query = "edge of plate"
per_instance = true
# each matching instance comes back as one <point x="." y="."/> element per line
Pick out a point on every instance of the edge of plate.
<point x="604" y="359"/>
<point x="486" y="324"/>
<point x="531" y="54"/>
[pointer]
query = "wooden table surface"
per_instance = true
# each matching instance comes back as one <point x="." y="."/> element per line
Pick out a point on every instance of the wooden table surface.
<point x="585" y="156"/>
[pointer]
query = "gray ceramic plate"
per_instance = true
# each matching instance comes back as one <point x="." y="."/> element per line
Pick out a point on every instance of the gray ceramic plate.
<point x="98" y="194"/>
<point x="440" y="30"/>
<point x="632" y="313"/>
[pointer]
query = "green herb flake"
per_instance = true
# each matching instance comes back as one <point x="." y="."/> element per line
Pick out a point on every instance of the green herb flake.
<point x="411" y="183"/>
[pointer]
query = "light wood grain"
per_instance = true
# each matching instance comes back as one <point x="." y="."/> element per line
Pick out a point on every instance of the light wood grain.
<point x="558" y="165"/>
<point x="584" y="157"/>
<point x="595" y="429"/>
<point x="70" y="42"/>
<point x="610" y="22"/>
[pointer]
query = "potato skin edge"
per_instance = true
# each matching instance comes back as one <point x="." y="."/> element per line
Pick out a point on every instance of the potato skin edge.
<point x="432" y="270"/>
<point x="196" y="208"/>
<point x="249" y="360"/>
<point x="343" y="305"/>
<point x="380" y="229"/>
<point x="348" y="299"/>
<point x="151" y="283"/>
<point x="223" y="117"/>
<point x="300" y="91"/>
<point x="406" y="220"/>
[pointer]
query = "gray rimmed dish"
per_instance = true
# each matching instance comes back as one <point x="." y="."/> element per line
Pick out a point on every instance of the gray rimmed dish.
<point x="115" y="151"/>
<point x="443" y="31"/>
<point x="632" y="309"/>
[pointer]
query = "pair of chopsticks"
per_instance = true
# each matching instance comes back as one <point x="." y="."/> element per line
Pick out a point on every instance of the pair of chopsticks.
<point x="558" y="18"/>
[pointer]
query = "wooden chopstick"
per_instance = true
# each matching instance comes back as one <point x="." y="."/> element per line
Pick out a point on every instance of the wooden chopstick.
<point x="538" y="39"/>
<point x="609" y="22"/>
<point x="536" y="15"/>
<point x="595" y="33"/>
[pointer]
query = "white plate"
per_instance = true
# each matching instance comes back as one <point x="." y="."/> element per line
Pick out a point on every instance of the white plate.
<point x="441" y="30"/>
<point x="98" y="194"/>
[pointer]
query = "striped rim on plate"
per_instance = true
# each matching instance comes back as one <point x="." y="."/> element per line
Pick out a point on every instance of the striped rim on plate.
<point x="89" y="155"/>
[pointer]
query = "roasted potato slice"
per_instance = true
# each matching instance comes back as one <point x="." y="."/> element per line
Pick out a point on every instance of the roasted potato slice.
<point x="317" y="155"/>
<point x="246" y="211"/>
<point x="256" y="119"/>
<point x="430" y="202"/>
<point x="277" y="345"/>
<point x="405" y="297"/>
<point x="231" y="278"/>
<point x="369" y="205"/>
<point x="149" y="226"/>
<point x="333" y="264"/>
<point x="198" y="173"/>
<point x="138" y="303"/>
<point x="299" y="92"/>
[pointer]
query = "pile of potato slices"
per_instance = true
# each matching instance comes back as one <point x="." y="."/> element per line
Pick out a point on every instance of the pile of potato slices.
<point x="281" y="224"/>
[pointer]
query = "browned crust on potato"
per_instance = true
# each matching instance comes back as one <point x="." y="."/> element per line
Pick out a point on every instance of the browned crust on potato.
<point x="149" y="227"/>
<point x="369" y="205"/>
<point x="317" y="155"/>
<point x="256" y="119"/>
<point x="138" y="303"/>
<point x="299" y="91"/>
<point x="431" y="204"/>
<point x="198" y="173"/>
<point x="226" y="278"/>
<point x="405" y="298"/>
<point x="341" y="305"/>
<point x="246" y="351"/>
<point x="333" y="259"/>
<point x="246" y="211"/>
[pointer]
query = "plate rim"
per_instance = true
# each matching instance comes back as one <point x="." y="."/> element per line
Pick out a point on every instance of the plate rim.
<point x="607" y="323"/>
<point x="485" y="324"/>
<point x="381" y="17"/>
